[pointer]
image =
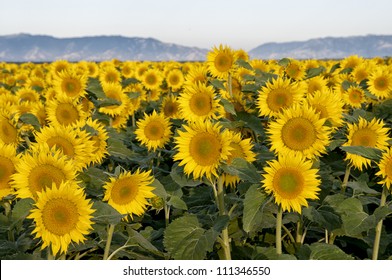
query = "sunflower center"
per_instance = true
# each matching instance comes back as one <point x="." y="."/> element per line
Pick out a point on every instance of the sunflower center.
<point x="111" y="77"/>
<point x="200" y="104"/>
<point x="298" y="134"/>
<point x="205" y="149"/>
<point x="170" y="109"/>
<point x="381" y="83"/>
<point x="8" y="133"/>
<point x="71" y="87"/>
<point x="151" y="79"/>
<point x="66" y="114"/>
<point x="364" y="137"/>
<point x="174" y="80"/>
<point x="314" y="86"/>
<point x="154" y="130"/>
<point x="355" y="96"/>
<point x="124" y="191"/>
<point x="321" y="109"/>
<point x="42" y="176"/>
<point x="7" y="168"/>
<point x="388" y="168"/>
<point x="223" y="62"/>
<point x="288" y="182"/>
<point x="63" y="144"/>
<point x="278" y="99"/>
<point x="60" y="216"/>
<point x="292" y="70"/>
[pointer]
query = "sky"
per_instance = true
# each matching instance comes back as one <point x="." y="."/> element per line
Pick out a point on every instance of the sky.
<point x="240" y="24"/>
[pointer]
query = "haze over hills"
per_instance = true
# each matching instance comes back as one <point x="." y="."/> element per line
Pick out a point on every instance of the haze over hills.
<point x="38" y="48"/>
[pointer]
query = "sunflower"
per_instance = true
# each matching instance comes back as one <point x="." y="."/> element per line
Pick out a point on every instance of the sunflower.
<point x="351" y="62"/>
<point x="62" y="215"/>
<point x="129" y="193"/>
<point x="241" y="148"/>
<point x="109" y="74"/>
<point x="153" y="131"/>
<point x="114" y="91"/>
<point x="372" y="134"/>
<point x="299" y="129"/>
<point x="8" y="160"/>
<point x="220" y="61"/>
<point x="278" y="94"/>
<point x="27" y="95"/>
<point x="9" y="132"/>
<point x="354" y="97"/>
<point x="127" y="69"/>
<point x="98" y="136"/>
<point x="197" y="74"/>
<point x="314" y="84"/>
<point x="361" y="72"/>
<point x="198" y="102"/>
<point x="329" y="105"/>
<point x="201" y="148"/>
<point x="70" y="83"/>
<point x="39" y="168"/>
<point x="292" y="181"/>
<point x="152" y="79"/>
<point x="380" y="83"/>
<point x="64" y="111"/>
<point x="170" y="107"/>
<point x="385" y="167"/>
<point x="175" y="79"/>
<point x="71" y="143"/>
<point x="295" y="70"/>
<point x="58" y="66"/>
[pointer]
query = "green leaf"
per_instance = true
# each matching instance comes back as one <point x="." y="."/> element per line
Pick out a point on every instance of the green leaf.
<point x="133" y="95"/>
<point x="108" y="102"/>
<point x="94" y="87"/>
<point x="139" y="239"/>
<point x="177" y="202"/>
<point x="218" y="84"/>
<point x="185" y="239"/>
<point x="313" y="72"/>
<point x="244" y="64"/>
<point x="105" y="214"/>
<point x="325" y="216"/>
<point x="29" y="118"/>
<point x="367" y="152"/>
<point x="382" y="212"/>
<point x="284" y="62"/>
<point x="229" y="107"/>
<point x="334" y="67"/>
<point x="159" y="189"/>
<point x="117" y="148"/>
<point x="323" y="251"/>
<point x="22" y="208"/>
<point x="251" y="121"/>
<point x="181" y="178"/>
<point x="346" y="84"/>
<point x="361" y="187"/>
<point x="269" y="253"/>
<point x="128" y="81"/>
<point x="253" y="212"/>
<point x="243" y="169"/>
<point x="253" y="88"/>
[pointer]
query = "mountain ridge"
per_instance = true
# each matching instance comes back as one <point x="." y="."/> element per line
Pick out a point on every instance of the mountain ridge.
<point x="39" y="48"/>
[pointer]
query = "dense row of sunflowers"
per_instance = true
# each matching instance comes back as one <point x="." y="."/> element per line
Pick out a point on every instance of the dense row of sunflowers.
<point x="196" y="160"/>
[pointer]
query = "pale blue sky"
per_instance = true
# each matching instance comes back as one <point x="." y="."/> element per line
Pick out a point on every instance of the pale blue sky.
<point x="203" y="23"/>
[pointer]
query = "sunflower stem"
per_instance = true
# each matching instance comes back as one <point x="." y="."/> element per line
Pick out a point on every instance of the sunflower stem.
<point x="167" y="213"/>
<point x="345" y="179"/>
<point x="230" y="85"/>
<point x="108" y="241"/>
<point x="50" y="255"/>
<point x="298" y="234"/>
<point x="376" y="245"/>
<point x="278" y="236"/>
<point x="222" y="212"/>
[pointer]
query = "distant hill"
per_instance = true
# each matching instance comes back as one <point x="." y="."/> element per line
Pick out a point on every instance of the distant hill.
<point x="329" y="47"/>
<point x="36" y="48"/>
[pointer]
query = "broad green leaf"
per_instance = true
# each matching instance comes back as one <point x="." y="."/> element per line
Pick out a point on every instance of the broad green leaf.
<point x="133" y="95"/>
<point x="128" y="81"/>
<point x="284" y="62"/>
<point x="313" y="72"/>
<point x="244" y="64"/>
<point x="269" y="253"/>
<point x="159" y="189"/>
<point x="29" y="118"/>
<point x="253" y="212"/>
<point x="177" y="202"/>
<point x="382" y="212"/>
<point x="105" y="214"/>
<point x="384" y="109"/>
<point x="181" y="178"/>
<point x="228" y="106"/>
<point x="22" y="209"/>
<point x="243" y="169"/>
<point x="250" y="88"/>
<point x="323" y="251"/>
<point x="325" y="216"/>
<point x="108" y="102"/>
<point x="347" y="84"/>
<point x="117" y="148"/>
<point x="218" y="84"/>
<point x="361" y="187"/>
<point x="139" y="239"/>
<point x="94" y="87"/>
<point x="334" y="67"/>
<point x="185" y="239"/>
<point x="367" y="152"/>
<point x="251" y="121"/>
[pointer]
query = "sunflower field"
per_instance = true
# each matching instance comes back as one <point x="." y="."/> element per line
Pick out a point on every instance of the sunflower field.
<point x="228" y="158"/>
